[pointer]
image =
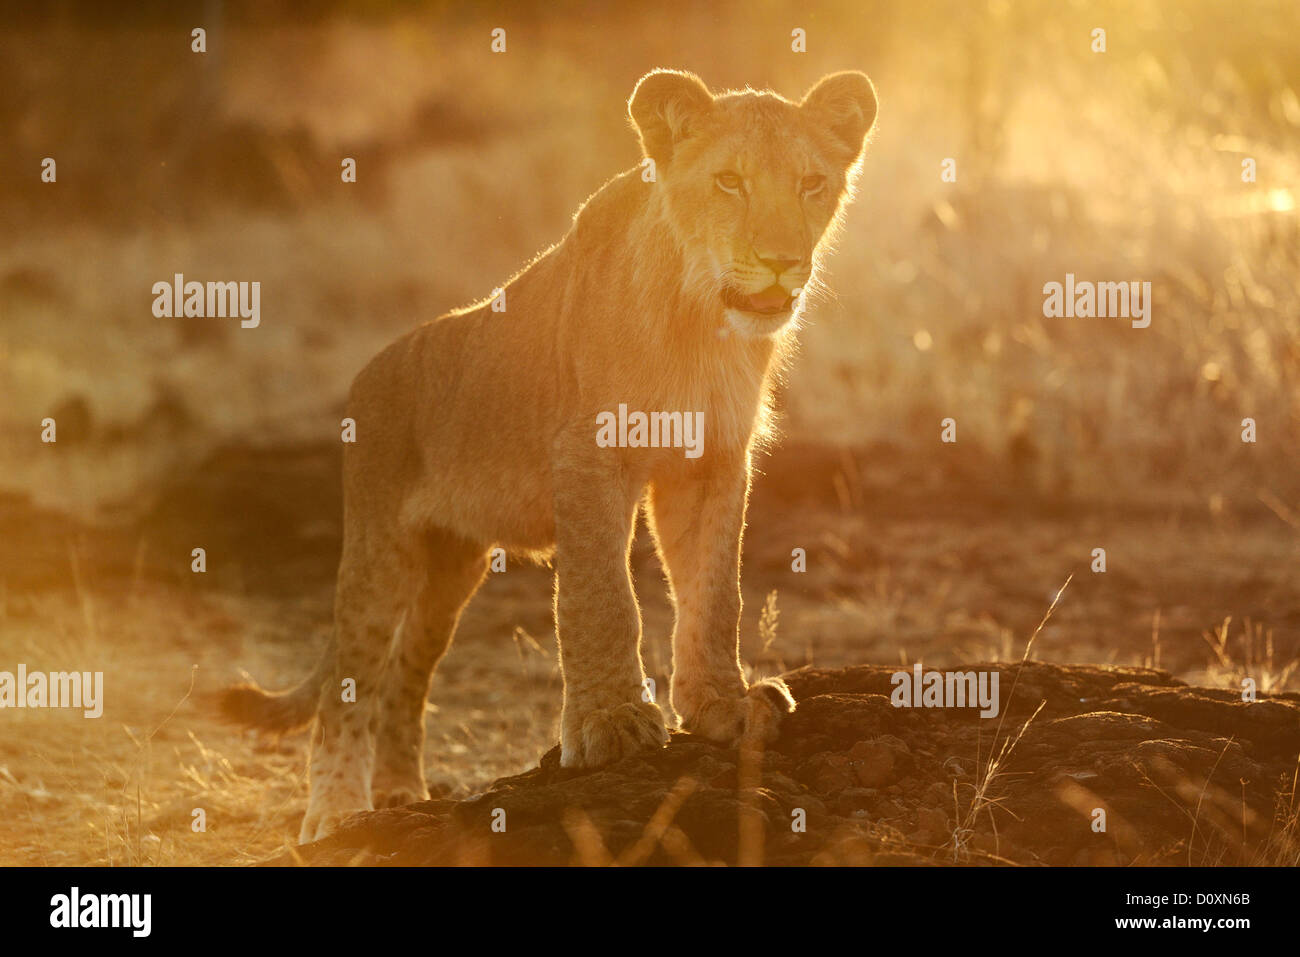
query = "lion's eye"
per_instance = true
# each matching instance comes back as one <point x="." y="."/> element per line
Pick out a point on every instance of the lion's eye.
<point x="811" y="184"/>
<point x="729" y="182"/>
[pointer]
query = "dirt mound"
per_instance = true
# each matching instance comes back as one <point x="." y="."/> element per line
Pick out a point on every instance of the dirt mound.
<point x="1183" y="775"/>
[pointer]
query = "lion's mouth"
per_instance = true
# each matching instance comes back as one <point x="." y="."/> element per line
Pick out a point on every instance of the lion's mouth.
<point x="772" y="301"/>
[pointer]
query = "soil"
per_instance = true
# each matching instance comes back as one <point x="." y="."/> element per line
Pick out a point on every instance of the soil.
<point x="1183" y="775"/>
<point x="906" y="562"/>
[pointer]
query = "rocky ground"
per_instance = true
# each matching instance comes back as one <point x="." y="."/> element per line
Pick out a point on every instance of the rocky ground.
<point x="1183" y="775"/>
<point x="905" y="564"/>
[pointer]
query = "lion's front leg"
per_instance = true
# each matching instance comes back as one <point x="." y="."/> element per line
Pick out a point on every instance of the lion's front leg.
<point x="597" y="620"/>
<point x="698" y="517"/>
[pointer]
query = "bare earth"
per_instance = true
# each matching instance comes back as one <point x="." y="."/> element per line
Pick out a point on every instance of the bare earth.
<point x="954" y="569"/>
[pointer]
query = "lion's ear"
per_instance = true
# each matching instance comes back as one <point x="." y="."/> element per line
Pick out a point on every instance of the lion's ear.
<point x="664" y="107"/>
<point x="845" y="103"/>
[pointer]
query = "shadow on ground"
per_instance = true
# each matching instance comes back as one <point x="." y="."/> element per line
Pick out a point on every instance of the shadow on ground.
<point x="1183" y="775"/>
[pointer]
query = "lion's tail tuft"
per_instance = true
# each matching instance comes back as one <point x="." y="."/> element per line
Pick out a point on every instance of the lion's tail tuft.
<point x="282" y="712"/>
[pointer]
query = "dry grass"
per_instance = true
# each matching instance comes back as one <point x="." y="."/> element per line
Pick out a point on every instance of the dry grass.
<point x="983" y="799"/>
<point x="1253" y="655"/>
<point x="122" y="789"/>
<point x="1283" y="846"/>
<point x="1121" y="166"/>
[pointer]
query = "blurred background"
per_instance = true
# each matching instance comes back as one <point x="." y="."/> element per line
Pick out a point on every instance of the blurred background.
<point x="1073" y="434"/>
<point x="1119" y="165"/>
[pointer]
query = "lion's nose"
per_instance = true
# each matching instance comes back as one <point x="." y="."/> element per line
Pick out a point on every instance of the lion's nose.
<point x="779" y="266"/>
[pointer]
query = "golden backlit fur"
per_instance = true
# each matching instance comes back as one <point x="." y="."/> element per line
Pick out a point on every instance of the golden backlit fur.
<point x="677" y="291"/>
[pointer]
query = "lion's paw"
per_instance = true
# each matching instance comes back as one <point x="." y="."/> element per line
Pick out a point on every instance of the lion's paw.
<point x="399" y="795"/>
<point x="604" y="735"/>
<point x="318" y="824"/>
<point x="752" y="717"/>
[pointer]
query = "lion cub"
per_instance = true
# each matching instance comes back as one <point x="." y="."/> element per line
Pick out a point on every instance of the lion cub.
<point x="674" y="295"/>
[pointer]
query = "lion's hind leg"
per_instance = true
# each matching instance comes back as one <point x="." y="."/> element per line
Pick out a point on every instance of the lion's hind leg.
<point x="453" y="570"/>
<point x="368" y="605"/>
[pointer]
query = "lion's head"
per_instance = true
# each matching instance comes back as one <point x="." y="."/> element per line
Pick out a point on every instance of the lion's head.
<point x="753" y="184"/>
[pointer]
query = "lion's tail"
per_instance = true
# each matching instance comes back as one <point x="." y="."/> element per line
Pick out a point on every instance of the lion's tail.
<point x="282" y="712"/>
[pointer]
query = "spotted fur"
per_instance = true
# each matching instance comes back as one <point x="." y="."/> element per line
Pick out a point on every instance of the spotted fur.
<point x="478" y="428"/>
